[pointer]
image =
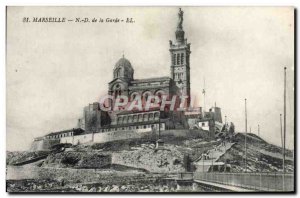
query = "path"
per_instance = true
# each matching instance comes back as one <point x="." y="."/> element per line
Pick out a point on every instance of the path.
<point x="214" y="154"/>
<point x="222" y="187"/>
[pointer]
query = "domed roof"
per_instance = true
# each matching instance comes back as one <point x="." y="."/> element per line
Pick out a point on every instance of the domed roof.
<point x="123" y="62"/>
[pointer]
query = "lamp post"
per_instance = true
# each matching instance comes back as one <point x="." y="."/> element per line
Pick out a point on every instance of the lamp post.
<point x="203" y="92"/>
<point x="284" y="126"/>
<point x="281" y="137"/>
<point x="159" y="127"/>
<point x="245" y="135"/>
<point x="283" y="164"/>
<point x="284" y="120"/>
<point x="203" y="162"/>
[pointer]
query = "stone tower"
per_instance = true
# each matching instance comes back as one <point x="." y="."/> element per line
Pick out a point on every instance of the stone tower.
<point x="180" y="60"/>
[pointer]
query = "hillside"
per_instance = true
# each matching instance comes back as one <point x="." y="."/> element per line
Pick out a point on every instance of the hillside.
<point x="141" y="154"/>
<point x="19" y="156"/>
<point x="261" y="156"/>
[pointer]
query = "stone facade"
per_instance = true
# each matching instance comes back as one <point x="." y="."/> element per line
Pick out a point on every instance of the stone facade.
<point x="122" y="85"/>
<point x="177" y="84"/>
<point x="48" y="141"/>
<point x="61" y="134"/>
<point x="41" y="144"/>
<point x="130" y="123"/>
<point x="114" y="133"/>
<point x="180" y="60"/>
<point x="124" y="118"/>
<point x="94" y="117"/>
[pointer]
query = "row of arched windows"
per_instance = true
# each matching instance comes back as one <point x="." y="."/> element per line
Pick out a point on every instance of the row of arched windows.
<point x="66" y="134"/>
<point x="178" y="59"/>
<point x="151" y="127"/>
<point x="138" y="118"/>
<point x="178" y="76"/>
<point x="146" y="94"/>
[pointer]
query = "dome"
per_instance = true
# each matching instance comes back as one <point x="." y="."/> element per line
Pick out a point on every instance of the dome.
<point x="123" y="69"/>
<point x="123" y="62"/>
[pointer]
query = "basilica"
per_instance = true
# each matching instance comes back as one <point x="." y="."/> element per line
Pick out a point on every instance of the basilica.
<point x="124" y="84"/>
<point x="178" y="81"/>
<point x="97" y="125"/>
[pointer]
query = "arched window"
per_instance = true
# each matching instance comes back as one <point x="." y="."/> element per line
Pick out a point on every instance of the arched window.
<point x="133" y="96"/>
<point x="159" y="96"/>
<point x="119" y="120"/>
<point x="178" y="59"/>
<point x="159" y="93"/>
<point x="156" y="116"/>
<point x="182" y="58"/>
<point x="140" y="117"/>
<point x="129" y="119"/>
<point x="124" y="119"/>
<point x="118" y="72"/>
<point x="151" y="116"/>
<point x="135" y="118"/>
<point x="146" y="96"/>
<point x="145" y="117"/>
<point x="179" y="75"/>
<point x="174" y="59"/>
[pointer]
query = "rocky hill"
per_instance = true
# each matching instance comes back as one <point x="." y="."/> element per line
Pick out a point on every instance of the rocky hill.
<point x="169" y="159"/>
<point x="19" y="156"/>
<point x="73" y="159"/>
<point x="141" y="154"/>
<point x="261" y="156"/>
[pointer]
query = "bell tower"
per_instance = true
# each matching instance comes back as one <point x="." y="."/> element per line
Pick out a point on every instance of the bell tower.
<point x="180" y="60"/>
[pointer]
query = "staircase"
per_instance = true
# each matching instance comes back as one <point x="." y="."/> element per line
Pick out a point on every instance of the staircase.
<point x="214" y="154"/>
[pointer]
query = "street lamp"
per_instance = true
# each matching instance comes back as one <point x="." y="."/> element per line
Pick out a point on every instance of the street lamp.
<point x="245" y="135"/>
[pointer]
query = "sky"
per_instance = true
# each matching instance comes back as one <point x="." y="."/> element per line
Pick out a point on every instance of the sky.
<point x="55" y="69"/>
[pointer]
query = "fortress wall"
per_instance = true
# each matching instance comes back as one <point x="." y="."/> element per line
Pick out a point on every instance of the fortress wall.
<point x="37" y="145"/>
<point x="123" y="135"/>
<point x="130" y="134"/>
<point x="180" y="132"/>
<point x="77" y="139"/>
<point x="43" y="144"/>
<point x="83" y="139"/>
<point x="105" y="137"/>
<point x="111" y="136"/>
<point x="66" y="140"/>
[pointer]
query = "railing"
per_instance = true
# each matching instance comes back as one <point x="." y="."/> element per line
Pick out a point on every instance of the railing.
<point x="186" y="176"/>
<point x="256" y="181"/>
